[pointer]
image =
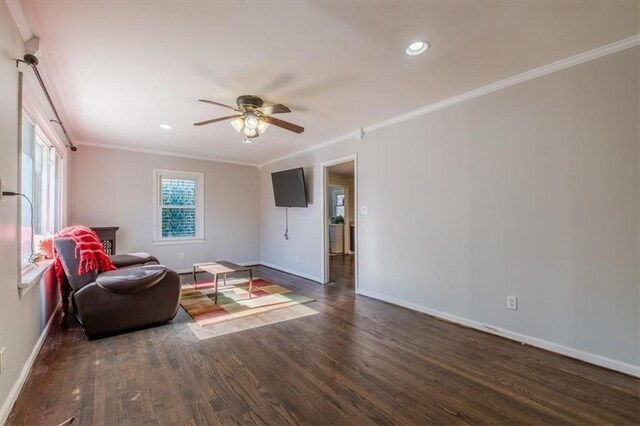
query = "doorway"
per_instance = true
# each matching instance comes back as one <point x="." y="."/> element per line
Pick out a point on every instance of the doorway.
<point x="339" y="223"/>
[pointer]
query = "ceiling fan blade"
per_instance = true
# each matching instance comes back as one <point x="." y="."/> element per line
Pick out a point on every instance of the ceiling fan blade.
<point x="275" y="109"/>
<point x="219" y="104"/>
<point x="281" y="123"/>
<point x="228" y="117"/>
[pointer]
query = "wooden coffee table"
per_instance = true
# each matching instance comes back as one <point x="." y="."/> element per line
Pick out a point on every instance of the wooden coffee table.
<point x="221" y="267"/>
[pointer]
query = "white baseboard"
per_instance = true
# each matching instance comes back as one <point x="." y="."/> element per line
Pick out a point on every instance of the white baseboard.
<point x="26" y="369"/>
<point x="623" y="367"/>
<point x="291" y="271"/>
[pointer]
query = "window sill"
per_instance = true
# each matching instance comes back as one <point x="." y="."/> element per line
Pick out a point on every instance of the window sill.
<point x="169" y="242"/>
<point x="33" y="276"/>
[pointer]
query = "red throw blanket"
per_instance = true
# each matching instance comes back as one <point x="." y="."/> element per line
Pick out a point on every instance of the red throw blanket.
<point x="90" y="250"/>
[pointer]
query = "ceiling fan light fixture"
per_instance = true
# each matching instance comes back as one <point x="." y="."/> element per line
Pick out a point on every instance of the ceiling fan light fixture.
<point x="417" y="47"/>
<point x="237" y="124"/>
<point x="251" y="121"/>
<point x="262" y="127"/>
<point x="250" y="133"/>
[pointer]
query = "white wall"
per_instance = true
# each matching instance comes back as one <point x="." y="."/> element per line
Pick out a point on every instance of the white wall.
<point x="115" y="188"/>
<point x="22" y="320"/>
<point x="531" y="191"/>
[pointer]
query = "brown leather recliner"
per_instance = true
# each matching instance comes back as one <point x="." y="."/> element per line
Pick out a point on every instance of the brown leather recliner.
<point x="139" y="293"/>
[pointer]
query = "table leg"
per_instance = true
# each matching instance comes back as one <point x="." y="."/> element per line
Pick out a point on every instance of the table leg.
<point x="250" y="280"/>
<point x="215" y="279"/>
<point x="224" y="277"/>
<point x="195" y="280"/>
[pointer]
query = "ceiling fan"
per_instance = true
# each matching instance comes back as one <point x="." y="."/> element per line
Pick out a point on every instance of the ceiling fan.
<point x="253" y="117"/>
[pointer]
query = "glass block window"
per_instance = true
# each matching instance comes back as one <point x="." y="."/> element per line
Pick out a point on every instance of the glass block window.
<point x="179" y="214"/>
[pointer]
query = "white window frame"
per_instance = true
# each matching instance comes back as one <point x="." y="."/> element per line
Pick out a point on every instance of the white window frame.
<point x="158" y="174"/>
<point x="52" y="182"/>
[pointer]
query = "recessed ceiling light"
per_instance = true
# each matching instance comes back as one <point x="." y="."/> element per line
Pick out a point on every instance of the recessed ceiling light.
<point x="417" y="47"/>
<point x="166" y="127"/>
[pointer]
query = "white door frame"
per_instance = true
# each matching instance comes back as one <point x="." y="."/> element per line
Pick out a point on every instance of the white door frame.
<point x="325" y="216"/>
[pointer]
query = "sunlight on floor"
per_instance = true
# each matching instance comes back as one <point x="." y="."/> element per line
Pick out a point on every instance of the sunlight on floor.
<point x="253" y="321"/>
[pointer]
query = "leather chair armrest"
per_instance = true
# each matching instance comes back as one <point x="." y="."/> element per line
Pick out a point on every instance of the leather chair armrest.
<point x="131" y="280"/>
<point x="129" y="259"/>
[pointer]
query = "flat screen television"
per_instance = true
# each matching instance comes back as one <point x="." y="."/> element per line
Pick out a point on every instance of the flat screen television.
<point x="289" y="188"/>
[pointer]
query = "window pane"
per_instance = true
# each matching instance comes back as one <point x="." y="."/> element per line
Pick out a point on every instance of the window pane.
<point x="28" y="142"/>
<point x="57" y="193"/>
<point x="178" y="222"/>
<point x="178" y="192"/>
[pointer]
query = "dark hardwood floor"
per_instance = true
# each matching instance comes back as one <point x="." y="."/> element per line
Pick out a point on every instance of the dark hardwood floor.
<point x="358" y="361"/>
<point x="342" y="271"/>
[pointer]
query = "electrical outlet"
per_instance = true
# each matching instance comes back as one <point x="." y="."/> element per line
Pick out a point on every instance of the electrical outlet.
<point x="2" y="361"/>
<point x="364" y="209"/>
<point x="512" y="303"/>
<point x="181" y="256"/>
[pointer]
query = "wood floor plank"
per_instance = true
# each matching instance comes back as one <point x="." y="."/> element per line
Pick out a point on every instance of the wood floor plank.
<point x="357" y="361"/>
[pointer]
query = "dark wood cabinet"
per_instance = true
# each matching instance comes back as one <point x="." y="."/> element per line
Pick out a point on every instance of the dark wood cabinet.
<point x="107" y="235"/>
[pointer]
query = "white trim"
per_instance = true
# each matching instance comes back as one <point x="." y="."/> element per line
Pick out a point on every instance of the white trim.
<point x="175" y="241"/>
<point x="165" y="153"/>
<point x="350" y="135"/>
<point x="26" y="369"/>
<point x="291" y="271"/>
<point x="325" y="218"/>
<point x="599" y="360"/>
<point x="20" y="19"/>
<point x="33" y="105"/>
<point x="32" y="276"/>
<point x="507" y="82"/>
<point x="199" y="207"/>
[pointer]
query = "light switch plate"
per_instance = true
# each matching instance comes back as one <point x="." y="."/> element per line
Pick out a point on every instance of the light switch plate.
<point x="512" y="303"/>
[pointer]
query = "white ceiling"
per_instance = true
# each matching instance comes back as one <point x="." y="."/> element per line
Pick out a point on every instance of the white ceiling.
<point x="119" y="69"/>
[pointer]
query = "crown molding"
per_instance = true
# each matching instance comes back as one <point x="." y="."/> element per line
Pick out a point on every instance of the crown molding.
<point x="347" y="136"/>
<point x="19" y="18"/>
<point x="165" y="153"/>
<point x="562" y="64"/>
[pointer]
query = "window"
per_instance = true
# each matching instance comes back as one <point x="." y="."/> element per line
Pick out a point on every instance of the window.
<point x="340" y="205"/>
<point x="179" y="200"/>
<point x="40" y="174"/>
<point x="337" y="199"/>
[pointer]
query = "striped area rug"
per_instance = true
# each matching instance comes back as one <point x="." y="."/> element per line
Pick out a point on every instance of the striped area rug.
<point x="235" y="301"/>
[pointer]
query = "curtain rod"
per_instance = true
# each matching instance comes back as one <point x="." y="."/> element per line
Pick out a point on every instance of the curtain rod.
<point x="32" y="61"/>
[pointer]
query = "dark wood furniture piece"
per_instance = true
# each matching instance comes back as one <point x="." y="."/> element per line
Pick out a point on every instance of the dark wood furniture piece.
<point x="107" y="235"/>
